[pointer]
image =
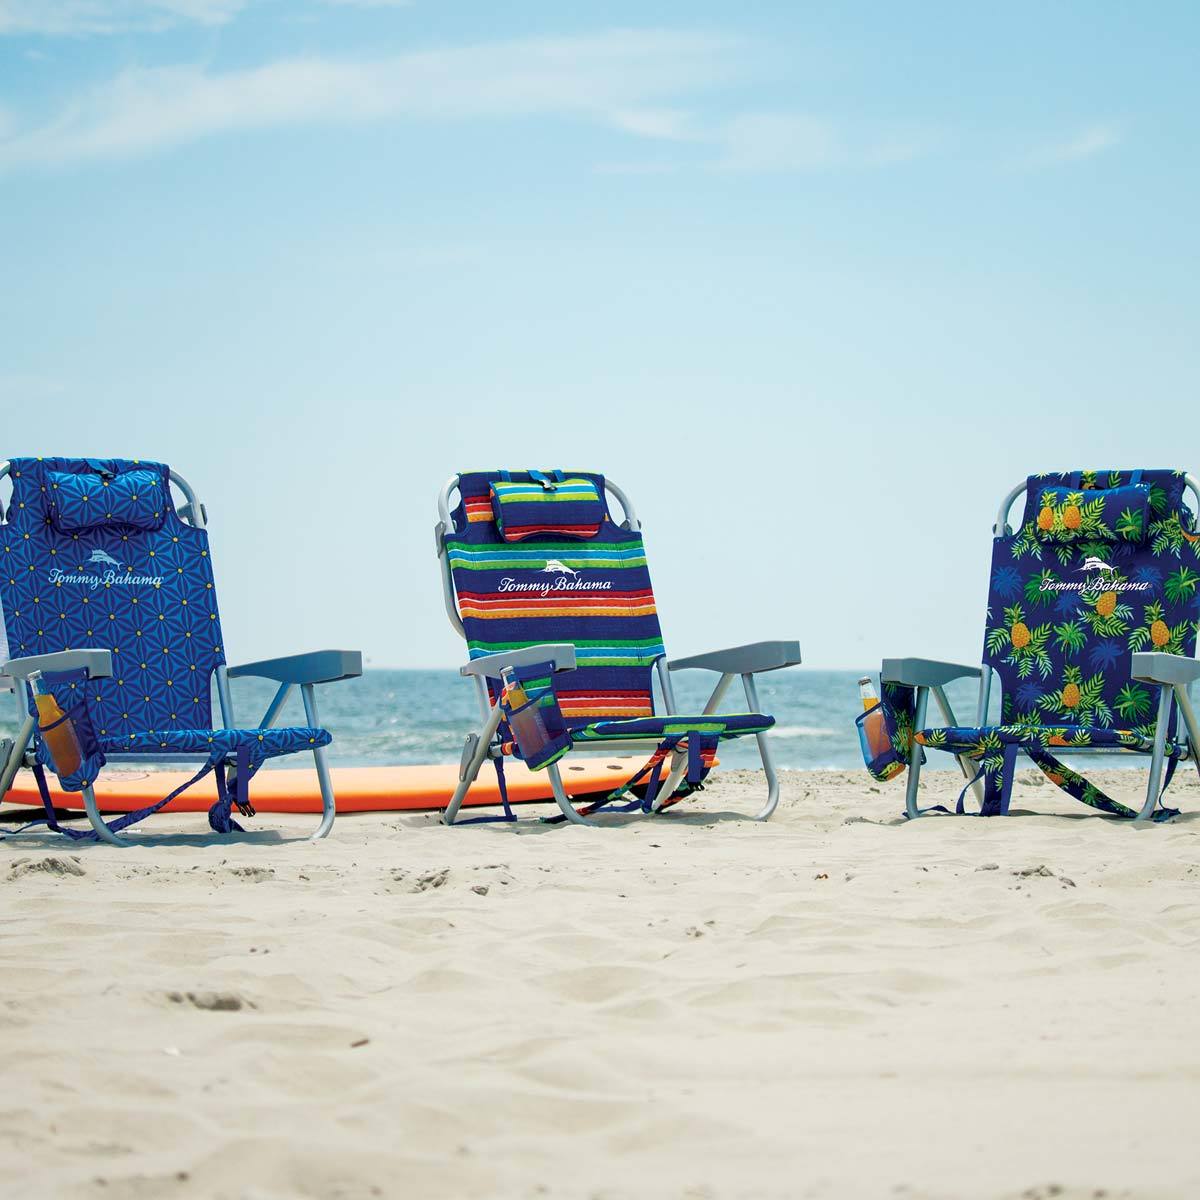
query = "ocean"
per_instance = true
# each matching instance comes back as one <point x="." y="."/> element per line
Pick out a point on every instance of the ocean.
<point x="422" y="716"/>
<point x="419" y="717"/>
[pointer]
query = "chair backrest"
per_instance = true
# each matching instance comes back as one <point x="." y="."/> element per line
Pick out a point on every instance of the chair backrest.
<point x="93" y="554"/>
<point x="592" y="591"/>
<point x="1102" y="564"/>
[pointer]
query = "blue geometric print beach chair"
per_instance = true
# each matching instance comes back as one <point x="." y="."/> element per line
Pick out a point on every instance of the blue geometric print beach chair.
<point x="110" y="611"/>
<point x="1091" y="636"/>
<point x="539" y="577"/>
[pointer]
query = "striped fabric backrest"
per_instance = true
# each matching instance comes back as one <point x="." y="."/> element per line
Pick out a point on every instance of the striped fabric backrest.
<point x="593" y="593"/>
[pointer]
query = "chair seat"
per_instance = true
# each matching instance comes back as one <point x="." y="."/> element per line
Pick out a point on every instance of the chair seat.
<point x="721" y="725"/>
<point x="262" y="743"/>
<point x="977" y="740"/>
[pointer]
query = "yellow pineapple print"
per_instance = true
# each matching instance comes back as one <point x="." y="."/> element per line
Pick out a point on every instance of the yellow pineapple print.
<point x="1046" y="519"/>
<point x="1106" y="603"/>
<point x="1020" y="635"/>
<point x="1070" y="695"/>
<point x="1072" y="517"/>
<point x="1160" y="635"/>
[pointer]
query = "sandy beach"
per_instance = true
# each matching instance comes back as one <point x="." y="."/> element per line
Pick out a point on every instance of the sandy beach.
<point x="837" y="1003"/>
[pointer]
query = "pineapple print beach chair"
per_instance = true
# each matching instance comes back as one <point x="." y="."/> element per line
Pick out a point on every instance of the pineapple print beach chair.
<point x="540" y="577"/>
<point x="1090" y="640"/>
<point x="110" y="612"/>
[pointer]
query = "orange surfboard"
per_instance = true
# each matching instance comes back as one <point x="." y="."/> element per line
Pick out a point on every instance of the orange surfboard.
<point x="358" y="789"/>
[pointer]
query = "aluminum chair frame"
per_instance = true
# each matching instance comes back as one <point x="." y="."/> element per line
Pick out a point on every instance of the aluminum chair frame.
<point x="291" y="671"/>
<point x="1170" y="673"/>
<point x="744" y="662"/>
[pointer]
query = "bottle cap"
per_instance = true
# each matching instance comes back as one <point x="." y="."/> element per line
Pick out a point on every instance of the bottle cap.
<point x="865" y="679"/>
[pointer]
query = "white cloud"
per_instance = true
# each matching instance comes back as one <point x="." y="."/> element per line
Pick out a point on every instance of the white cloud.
<point x="633" y="81"/>
<point x="1087" y="143"/>
<point x="671" y="124"/>
<point x="615" y="77"/>
<point x="782" y="141"/>
<point x="758" y="141"/>
<point x="82" y="17"/>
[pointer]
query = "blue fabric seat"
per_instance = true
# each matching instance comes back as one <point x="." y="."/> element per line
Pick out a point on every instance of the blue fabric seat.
<point x="967" y="738"/>
<point x="262" y="743"/>
<point x="720" y="725"/>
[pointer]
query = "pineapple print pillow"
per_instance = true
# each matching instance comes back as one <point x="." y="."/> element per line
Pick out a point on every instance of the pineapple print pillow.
<point x="1120" y="514"/>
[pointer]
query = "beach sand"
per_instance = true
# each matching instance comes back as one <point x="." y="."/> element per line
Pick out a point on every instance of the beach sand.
<point x="837" y="1003"/>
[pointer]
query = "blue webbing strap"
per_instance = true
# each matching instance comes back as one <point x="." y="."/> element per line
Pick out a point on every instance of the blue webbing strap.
<point x="509" y="815"/>
<point x="50" y="820"/>
<point x="609" y="803"/>
<point x="548" y="482"/>
<point x="220" y="818"/>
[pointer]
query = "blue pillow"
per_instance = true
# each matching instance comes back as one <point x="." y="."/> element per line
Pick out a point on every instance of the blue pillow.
<point x="136" y="499"/>
<point x="1120" y="514"/>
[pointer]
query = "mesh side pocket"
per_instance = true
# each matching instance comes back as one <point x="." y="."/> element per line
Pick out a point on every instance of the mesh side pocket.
<point x="536" y="723"/>
<point x="885" y="732"/>
<point x="66" y="738"/>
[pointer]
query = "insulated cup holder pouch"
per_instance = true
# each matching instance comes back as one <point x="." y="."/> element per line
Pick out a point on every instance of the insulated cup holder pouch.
<point x="536" y="724"/>
<point x="66" y="737"/>
<point x="885" y="732"/>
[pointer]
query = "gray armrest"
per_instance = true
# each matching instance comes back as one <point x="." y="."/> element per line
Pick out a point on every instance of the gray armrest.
<point x="1153" y="666"/>
<point x="742" y="660"/>
<point x="317" y="666"/>
<point x="924" y="672"/>
<point x="97" y="663"/>
<point x="561" y="654"/>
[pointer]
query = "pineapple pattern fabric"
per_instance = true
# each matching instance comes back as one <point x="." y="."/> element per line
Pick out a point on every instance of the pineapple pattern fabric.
<point x="1104" y="563"/>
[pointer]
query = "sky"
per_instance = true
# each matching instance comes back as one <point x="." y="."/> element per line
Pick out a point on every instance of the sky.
<point x="815" y="283"/>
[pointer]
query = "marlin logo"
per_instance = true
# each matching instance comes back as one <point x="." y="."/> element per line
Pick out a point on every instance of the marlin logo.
<point x="99" y="570"/>
<point x="554" y="567"/>
<point x="1107" y="579"/>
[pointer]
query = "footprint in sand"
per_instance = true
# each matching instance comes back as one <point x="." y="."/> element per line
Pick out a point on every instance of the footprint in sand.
<point x="50" y="865"/>
<point x="211" y="1001"/>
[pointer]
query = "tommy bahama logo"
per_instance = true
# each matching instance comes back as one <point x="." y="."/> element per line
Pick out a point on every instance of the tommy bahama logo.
<point x="99" y="570"/>
<point x="566" y="579"/>
<point x="1101" y="577"/>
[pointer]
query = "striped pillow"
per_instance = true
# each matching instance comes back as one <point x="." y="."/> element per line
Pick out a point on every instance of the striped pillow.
<point x="563" y="508"/>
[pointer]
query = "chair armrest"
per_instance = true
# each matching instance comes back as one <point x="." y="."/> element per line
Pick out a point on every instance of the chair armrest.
<point x="97" y="663"/>
<point x="924" y="672"/>
<point x="742" y="660"/>
<point x="561" y="654"/>
<point x="1150" y="666"/>
<point x="317" y="666"/>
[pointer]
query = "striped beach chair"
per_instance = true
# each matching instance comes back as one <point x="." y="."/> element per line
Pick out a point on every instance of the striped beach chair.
<point x="114" y="643"/>
<point x="1091" y="640"/>
<point x="540" y="578"/>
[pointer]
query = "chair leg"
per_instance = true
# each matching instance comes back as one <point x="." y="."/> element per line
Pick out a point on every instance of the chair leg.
<point x="474" y="756"/>
<point x="564" y="801"/>
<point x="102" y="830"/>
<point x="1165" y="697"/>
<point x="677" y="770"/>
<point x="16" y="755"/>
<point x="914" y="766"/>
<point x="764" y="753"/>
<point x="328" y="803"/>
